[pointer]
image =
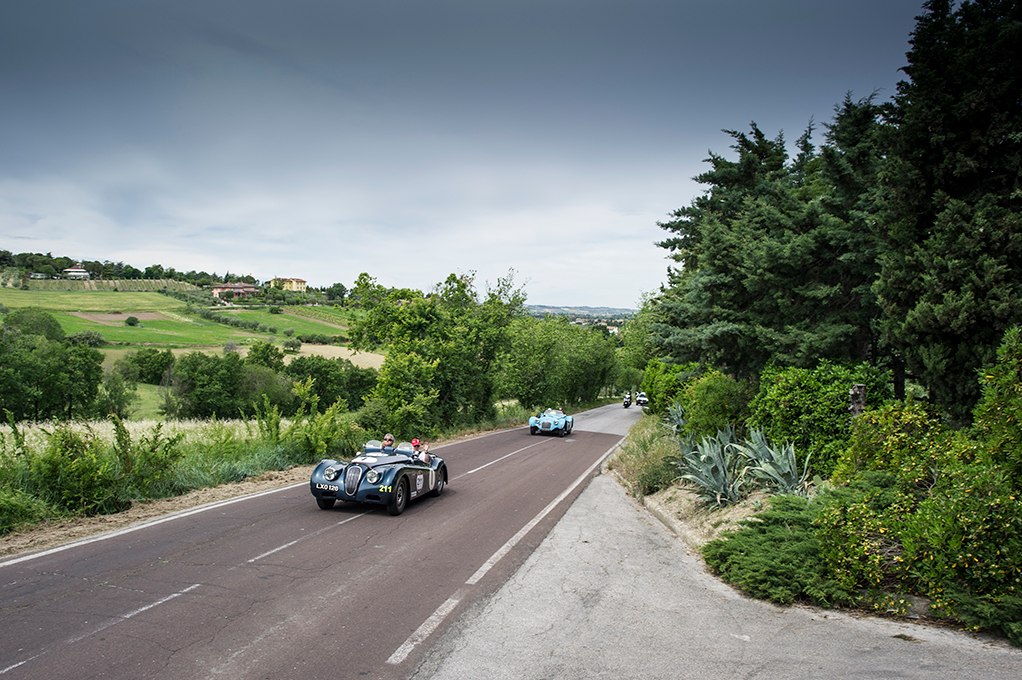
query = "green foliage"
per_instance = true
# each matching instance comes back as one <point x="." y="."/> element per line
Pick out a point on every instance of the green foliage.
<point x="713" y="402"/>
<point x="206" y="385"/>
<point x="809" y="407"/>
<point x="644" y="459"/>
<point x="19" y="509"/>
<point x="148" y="365"/>
<point x="776" y="469"/>
<point x="857" y="531"/>
<point x="664" y="383"/>
<point x="904" y="439"/>
<point x="998" y="417"/>
<point x="951" y="276"/>
<point x="265" y="354"/>
<point x="776" y="556"/>
<point x="149" y="465"/>
<point x="773" y="267"/>
<point x="443" y="350"/>
<point x="131" y="321"/>
<point x="552" y="361"/>
<point x="35" y="321"/>
<point x="715" y="467"/>
<point x="116" y="395"/>
<point x="334" y="379"/>
<point x="76" y="473"/>
<point x="963" y="548"/>
<point x="87" y="338"/>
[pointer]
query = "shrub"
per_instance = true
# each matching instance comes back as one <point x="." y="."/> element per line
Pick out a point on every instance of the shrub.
<point x="76" y="473"/>
<point x="147" y="467"/>
<point x="905" y="439"/>
<point x="776" y="556"/>
<point x="963" y="549"/>
<point x="663" y="383"/>
<point x="713" y="402"/>
<point x="998" y="416"/>
<point x="809" y="407"/>
<point x="131" y="321"/>
<point x="87" y="338"/>
<point x="18" y="509"/>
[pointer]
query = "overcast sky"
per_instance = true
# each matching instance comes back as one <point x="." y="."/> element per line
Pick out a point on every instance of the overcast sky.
<point x="409" y="139"/>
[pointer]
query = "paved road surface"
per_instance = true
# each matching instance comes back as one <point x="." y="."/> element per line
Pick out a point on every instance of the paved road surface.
<point x="270" y="586"/>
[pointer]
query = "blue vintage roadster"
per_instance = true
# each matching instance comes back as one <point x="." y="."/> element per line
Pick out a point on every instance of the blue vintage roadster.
<point x="551" y="421"/>
<point x="390" y="476"/>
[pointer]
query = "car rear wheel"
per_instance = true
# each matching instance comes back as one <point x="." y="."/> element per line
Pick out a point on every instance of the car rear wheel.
<point x="439" y="488"/>
<point x="325" y="503"/>
<point x="399" y="499"/>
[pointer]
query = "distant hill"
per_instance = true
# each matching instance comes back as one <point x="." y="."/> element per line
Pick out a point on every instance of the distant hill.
<point x="589" y="312"/>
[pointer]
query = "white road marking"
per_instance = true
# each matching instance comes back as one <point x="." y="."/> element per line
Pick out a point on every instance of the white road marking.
<point x="498" y="460"/>
<point x="506" y="548"/>
<point x="434" y="621"/>
<point x="424" y="631"/>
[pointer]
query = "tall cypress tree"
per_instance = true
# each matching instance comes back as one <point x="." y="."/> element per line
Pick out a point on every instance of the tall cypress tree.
<point x="776" y="263"/>
<point x="951" y="242"/>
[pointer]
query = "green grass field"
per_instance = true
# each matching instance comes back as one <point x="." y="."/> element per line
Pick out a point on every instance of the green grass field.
<point x="89" y="301"/>
<point x="179" y="329"/>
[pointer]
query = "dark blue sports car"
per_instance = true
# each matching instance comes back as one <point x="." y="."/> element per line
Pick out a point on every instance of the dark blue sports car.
<point x="390" y="476"/>
<point x="551" y="421"/>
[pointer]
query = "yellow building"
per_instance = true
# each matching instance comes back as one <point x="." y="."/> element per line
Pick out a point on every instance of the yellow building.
<point x="297" y="285"/>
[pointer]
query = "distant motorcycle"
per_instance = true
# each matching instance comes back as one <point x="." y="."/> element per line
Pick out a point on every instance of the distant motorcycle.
<point x="627" y="402"/>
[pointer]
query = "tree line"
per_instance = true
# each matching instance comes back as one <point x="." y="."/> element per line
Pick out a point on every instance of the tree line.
<point x="897" y="242"/>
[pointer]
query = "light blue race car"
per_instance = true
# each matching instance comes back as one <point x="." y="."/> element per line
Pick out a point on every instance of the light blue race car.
<point x="551" y="421"/>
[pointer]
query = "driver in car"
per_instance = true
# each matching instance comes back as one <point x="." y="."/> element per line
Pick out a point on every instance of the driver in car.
<point x="421" y="451"/>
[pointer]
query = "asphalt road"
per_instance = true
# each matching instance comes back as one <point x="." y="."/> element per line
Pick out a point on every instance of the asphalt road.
<point x="269" y="586"/>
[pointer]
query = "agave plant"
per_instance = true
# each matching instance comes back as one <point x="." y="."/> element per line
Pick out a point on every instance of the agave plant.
<point x="777" y="469"/>
<point x="715" y="467"/>
<point x="675" y="420"/>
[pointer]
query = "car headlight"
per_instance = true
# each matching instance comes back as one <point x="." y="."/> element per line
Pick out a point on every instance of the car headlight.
<point x="331" y="473"/>
<point x="373" y="476"/>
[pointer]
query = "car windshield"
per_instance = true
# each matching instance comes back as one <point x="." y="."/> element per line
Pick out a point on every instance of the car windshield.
<point x="553" y="412"/>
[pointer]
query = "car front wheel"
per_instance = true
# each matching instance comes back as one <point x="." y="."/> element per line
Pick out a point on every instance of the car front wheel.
<point x="399" y="499"/>
<point x="533" y="429"/>
<point x="325" y="503"/>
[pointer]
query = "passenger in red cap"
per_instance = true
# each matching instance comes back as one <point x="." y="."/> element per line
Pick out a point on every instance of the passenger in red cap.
<point x="421" y="454"/>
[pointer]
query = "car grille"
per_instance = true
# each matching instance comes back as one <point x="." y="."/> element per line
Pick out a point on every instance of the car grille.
<point x="545" y="426"/>
<point x="352" y="476"/>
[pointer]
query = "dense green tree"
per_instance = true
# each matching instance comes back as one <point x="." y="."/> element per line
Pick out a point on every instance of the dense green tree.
<point x="336" y="293"/>
<point x="42" y="379"/>
<point x="552" y="362"/>
<point x="83" y="366"/>
<point x="147" y="365"/>
<point x="207" y="385"/>
<point x="455" y="337"/>
<point x="334" y="379"/>
<point x="34" y="321"/>
<point x="265" y="354"/>
<point x="769" y="269"/>
<point x="951" y="256"/>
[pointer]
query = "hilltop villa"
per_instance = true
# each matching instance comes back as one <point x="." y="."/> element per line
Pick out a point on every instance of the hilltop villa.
<point x="75" y="272"/>
<point x="240" y="290"/>
<point x="297" y="285"/>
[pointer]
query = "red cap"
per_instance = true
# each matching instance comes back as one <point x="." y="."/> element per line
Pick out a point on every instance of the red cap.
<point x="415" y="442"/>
